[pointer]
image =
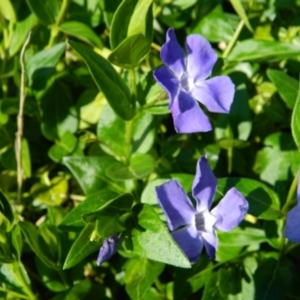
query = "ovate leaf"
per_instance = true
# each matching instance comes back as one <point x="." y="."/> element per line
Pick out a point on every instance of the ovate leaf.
<point x="41" y="8"/>
<point x="82" y="247"/>
<point x="140" y="273"/>
<point x="82" y="32"/>
<point x="253" y="50"/>
<point x="107" y="80"/>
<point x="151" y="239"/>
<point x="286" y="85"/>
<point x="296" y="121"/>
<point x="130" y="51"/>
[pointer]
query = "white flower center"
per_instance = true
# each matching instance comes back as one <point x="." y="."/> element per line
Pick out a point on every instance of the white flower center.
<point x="204" y="221"/>
<point x="186" y="82"/>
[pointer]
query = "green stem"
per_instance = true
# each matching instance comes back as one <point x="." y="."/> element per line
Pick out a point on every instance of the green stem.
<point x="234" y="39"/>
<point x="128" y="139"/>
<point x="132" y="79"/>
<point x="285" y="209"/>
<point x="229" y="157"/>
<point x="55" y="27"/>
<point x="290" y="196"/>
<point x="129" y="124"/>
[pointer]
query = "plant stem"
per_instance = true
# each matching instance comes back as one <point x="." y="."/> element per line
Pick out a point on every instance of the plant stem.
<point x="19" y="133"/>
<point x="290" y="196"/>
<point x="59" y="20"/>
<point x="132" y="79"/>
<point x="129" y="124"/>
<point x="234" y="39"/>
<point x="285" y="209"/>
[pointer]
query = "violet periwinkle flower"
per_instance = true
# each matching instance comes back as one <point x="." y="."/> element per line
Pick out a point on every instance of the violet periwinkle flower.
<point x="193" y="227"/>
<point x="184" y="79"/>
<point x="108" y="249"/>
<point x="291" y="230"/>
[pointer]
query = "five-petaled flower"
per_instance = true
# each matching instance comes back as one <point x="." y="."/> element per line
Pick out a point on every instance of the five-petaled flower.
<point x="108" y="249"/>
<point x="293" y="220"/>
<point x="183" y="77"/>
<point x="193" y="227"/>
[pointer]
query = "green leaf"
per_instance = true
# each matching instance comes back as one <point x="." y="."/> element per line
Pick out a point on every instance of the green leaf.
<point x="132" y="17"/>
<point x="130" y="51"/>
<point x="238" y="7"/>
<point x="7" y="11"/>
<point x="286" y="85"/>
<point x="253" y="50"/>
<point x="140" y="273"/>
<point x="263" y="201"/>
<point x="82" y="247"/>
<point x="6" y="210"/>
<point x="229" y="280"/>
<point x="107" y="80"/>
<point x="110" y="208"/>
<point x="50" y="278"/>
<point x="30" y="233"/>
<point x="214" y="26"/>
<point x="73" y="220"/>
<point x="53" y="194"/>
<point x="90" y="172"/>
<point x="67" y="145"/>
<point x="211" y="290"/>
<point x="231" y="243"/>
<point x="20" y="33"/>
<point x="10" y="279"/>
<point x="63" y="120"/>
<point x="278" y="159"/>
<point x="141" y="165"/>
<point x="41" y="8"/>
<point x="111" y="131"/>
<point x="273" y="279"/>
<point x="151" y="239"/>
<point x="41" y="65"/>
<point x="296" y="121"/>
<point x="82" y="32"/>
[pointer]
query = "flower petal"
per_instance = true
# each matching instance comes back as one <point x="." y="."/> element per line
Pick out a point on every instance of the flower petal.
<point x="231" y="210"/>
<point x="175" y="204"/>
<point x="172" y="54"/>
<point x="291" y="230"/>
<point x="201" y="57"/>
<point x="216" y="93"/>
<point x="204" y="185"/>
<point x="108" y="249"/>
<point x="189" y="241"/>
<point x="188" y="116"/>
<point x="167" y="80"/>
<point x="211" y="243"/>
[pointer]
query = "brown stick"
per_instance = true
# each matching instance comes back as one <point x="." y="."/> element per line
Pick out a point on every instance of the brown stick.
<point x="19" y="133"/>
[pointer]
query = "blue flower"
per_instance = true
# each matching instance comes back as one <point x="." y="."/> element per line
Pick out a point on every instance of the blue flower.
<point x="193" y="227"/>
<point x="293" y="220"/>
<point x="108" y="249"/>
<point x="183" y="77"/>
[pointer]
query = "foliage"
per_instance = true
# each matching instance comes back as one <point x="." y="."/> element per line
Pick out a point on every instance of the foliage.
<point x="99" y="138"/>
